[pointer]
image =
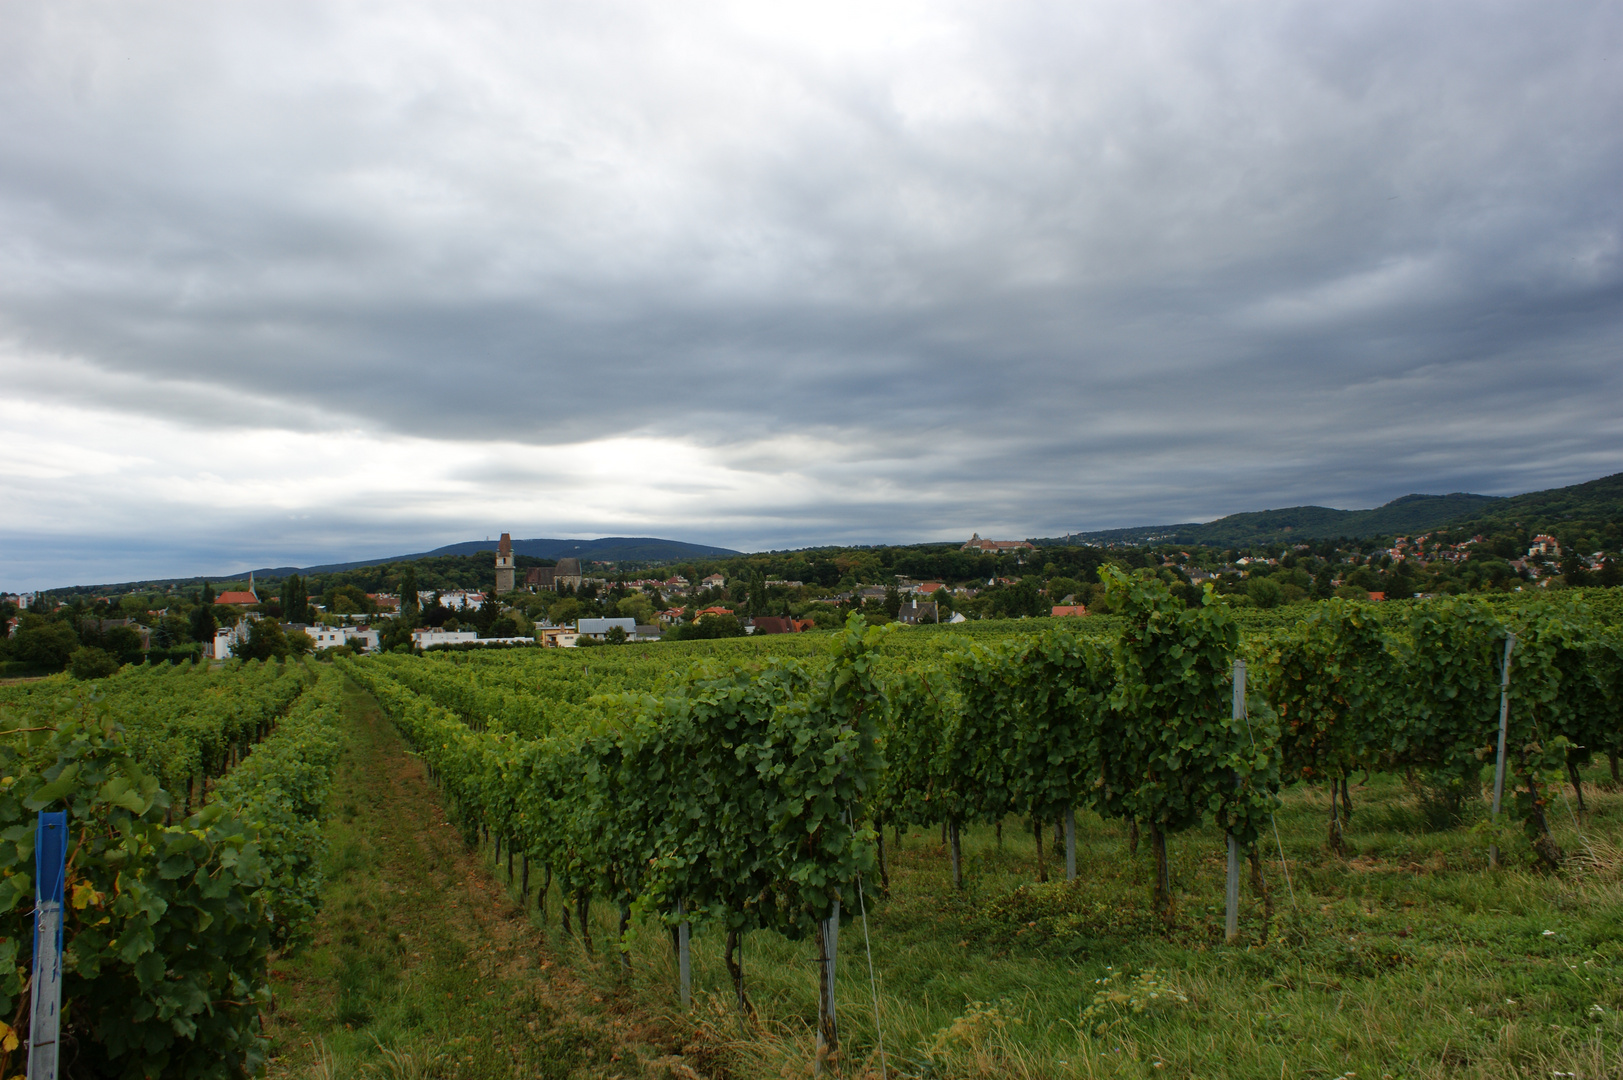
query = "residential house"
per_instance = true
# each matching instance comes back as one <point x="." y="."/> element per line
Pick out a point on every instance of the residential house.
<point x="557" y="637"/>
<point x="711" y="611"/>
<point x="356" y="637"/>
<point x="1068" y="611"/>
<point x="772" y="624"/>
<point x="914" y="612"/>
<point x="713" y="581"/>
<point x="598" y="629"/>
<point x="1544" y="544"/>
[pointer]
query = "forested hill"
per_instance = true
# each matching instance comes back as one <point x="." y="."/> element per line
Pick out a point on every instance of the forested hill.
<point x="1409" y="514"/>
<point x="1595" y="502"/>
<point x="604" y="549"/>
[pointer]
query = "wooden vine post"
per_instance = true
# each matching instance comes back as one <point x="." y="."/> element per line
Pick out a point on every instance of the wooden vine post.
<point x="828" y="1030"/>
<point x="1504" y="728"/>
<point x="1231" y="909"/>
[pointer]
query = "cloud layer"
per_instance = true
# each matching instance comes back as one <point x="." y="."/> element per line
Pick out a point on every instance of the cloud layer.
<point x="284" y="282"/>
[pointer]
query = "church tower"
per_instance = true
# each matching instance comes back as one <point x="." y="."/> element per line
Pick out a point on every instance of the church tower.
<point x="504" y="565"/>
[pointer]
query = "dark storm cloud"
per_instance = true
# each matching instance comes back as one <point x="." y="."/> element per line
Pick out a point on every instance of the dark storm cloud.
<point x="1042" y="266"/>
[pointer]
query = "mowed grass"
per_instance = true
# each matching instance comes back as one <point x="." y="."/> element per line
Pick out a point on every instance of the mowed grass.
<point x="1408" y="957"/>
<point x="420" y="966"/>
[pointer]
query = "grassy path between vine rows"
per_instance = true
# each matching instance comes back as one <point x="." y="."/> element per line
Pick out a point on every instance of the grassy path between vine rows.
<point x="421" y="965"/>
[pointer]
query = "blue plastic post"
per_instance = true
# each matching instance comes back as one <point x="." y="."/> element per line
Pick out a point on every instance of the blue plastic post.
<point x="50" y="867"/>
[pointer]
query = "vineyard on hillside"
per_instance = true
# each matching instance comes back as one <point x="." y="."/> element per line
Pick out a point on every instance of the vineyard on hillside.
<point x="755" y="793"/>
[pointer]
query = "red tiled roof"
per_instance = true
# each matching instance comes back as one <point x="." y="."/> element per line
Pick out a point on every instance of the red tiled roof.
<point x="236" y="597"/>
<point x="773" y="624"/>
<point x="1066" y="611"/>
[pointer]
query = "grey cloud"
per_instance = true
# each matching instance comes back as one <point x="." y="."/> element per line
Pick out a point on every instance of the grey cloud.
<point x="1061" y="265"/>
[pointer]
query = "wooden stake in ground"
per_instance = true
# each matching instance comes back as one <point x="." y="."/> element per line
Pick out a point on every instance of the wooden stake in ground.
<point x="1070" y="843"/>
<point x="684" y="961"/>
<point x="1231" y="909"/>
<point x="1504" y="724"/>
<point x="1037" y="831"/>
<point x="957" y="856"/>
<point x="828" y="1031"/>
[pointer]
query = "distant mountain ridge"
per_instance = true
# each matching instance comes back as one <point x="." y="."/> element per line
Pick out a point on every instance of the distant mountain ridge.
<point x="1408" y="514"/>
<point x="1600" y="499"/>
<point x="602" y="549"/>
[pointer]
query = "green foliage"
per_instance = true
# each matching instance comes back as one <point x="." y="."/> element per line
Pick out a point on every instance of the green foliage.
<point x="165" y="942"/>
<point x="279" y="791"/>
<point x="46" y="643"/>
<point x="266" y="641"/>
<point x="167" y="927"/>
<point x="89" y="662"/>
<point x="1334" y="683"/>
<point x="1032" y="711"/>
<point x="1172" y="752"/>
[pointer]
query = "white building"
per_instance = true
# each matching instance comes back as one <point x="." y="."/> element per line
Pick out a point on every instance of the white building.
<point x="428" y="635"/>
<point x="356" y="637"/>
<point x="462" y="600"/>
<point x="599" y="628"/>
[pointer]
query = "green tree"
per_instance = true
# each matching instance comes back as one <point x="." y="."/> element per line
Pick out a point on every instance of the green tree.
<point x="172" y="630"/>
<point x="203" y="621"/>
<point x="615" y="635"/>
<point x="295" y="602"/>
<point x="45" y="642"/>
<point x="89" y="662"/>
<point x="637" y="606"/>
<point x="1061" y="587"/>
<point x="1608" y="576"/>
<point x="346" y="600"/>
<point x="408" y="591"/>
<point x="1264" y="592"/>
<point x="123" y="642"/>
<point x="265" y="641"/>
<point x="565" y="611"/>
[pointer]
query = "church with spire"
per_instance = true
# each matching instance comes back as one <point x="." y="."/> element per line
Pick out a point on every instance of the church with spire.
<point x="239" y="596"/>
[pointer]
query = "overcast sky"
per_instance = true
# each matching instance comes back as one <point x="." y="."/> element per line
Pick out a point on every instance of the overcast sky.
<point x="282" y="283"/>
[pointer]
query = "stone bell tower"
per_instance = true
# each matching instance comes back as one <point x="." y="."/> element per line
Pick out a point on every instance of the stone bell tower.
<point x="504" y="565"/>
